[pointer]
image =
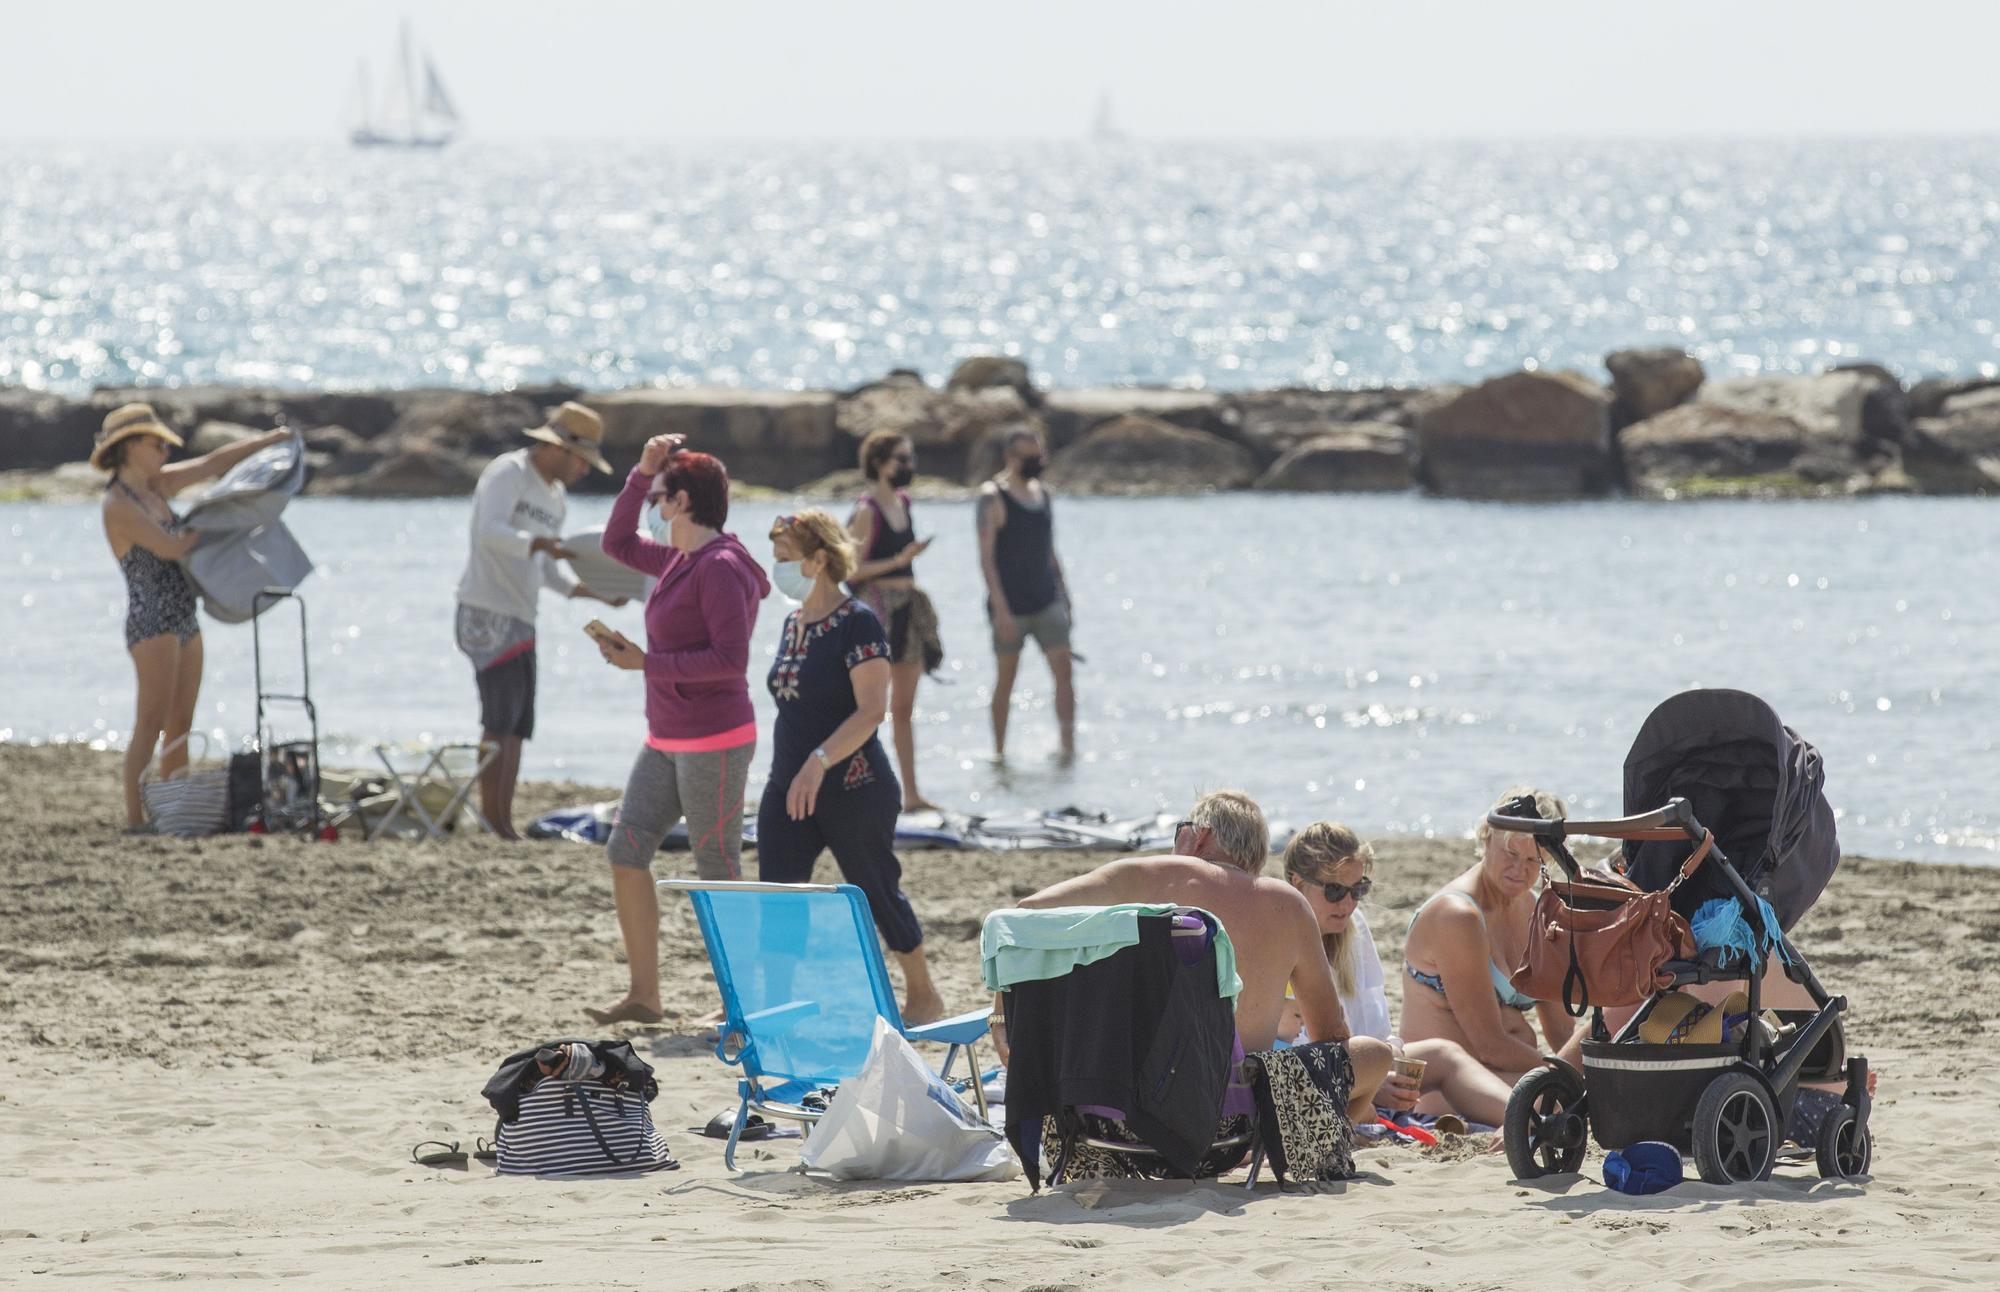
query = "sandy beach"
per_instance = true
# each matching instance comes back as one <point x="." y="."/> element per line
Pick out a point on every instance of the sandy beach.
<point x="215" y="1056"/>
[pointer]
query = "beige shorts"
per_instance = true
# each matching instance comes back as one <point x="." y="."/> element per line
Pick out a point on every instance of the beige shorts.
<point x="1049" y="626"/>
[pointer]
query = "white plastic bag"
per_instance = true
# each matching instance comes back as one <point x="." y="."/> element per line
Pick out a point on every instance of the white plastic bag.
<point x="898" y="1120"/>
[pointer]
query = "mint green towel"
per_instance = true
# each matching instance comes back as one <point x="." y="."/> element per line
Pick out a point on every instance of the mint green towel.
<point x="1023" y="946"/>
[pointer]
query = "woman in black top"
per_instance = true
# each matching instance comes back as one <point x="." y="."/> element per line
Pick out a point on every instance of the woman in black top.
<point x="885" y="535"/>
<point x="831" y="786"/>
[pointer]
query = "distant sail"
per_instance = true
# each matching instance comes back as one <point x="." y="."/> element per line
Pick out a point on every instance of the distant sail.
<point x="436" y="101"/>
<point x="406" y="118"/>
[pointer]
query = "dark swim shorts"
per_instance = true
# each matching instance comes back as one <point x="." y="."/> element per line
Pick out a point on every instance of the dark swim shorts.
<point x="507" y="696"/>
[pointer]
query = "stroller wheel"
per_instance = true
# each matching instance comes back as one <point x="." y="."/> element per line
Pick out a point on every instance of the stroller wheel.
<point x="1843" y="1150"/>
<point x="1736" y="1131"/>
<point x="1546" y="1126"/>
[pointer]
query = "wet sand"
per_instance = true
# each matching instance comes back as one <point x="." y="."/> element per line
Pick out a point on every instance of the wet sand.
<point x="216" y="1055"/>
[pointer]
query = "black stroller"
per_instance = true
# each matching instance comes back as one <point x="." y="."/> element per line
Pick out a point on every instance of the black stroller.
<point x="1721" y="761"/>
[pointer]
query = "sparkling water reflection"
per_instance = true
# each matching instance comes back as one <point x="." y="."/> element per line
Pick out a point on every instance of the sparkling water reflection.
<point x="779" y="266"/>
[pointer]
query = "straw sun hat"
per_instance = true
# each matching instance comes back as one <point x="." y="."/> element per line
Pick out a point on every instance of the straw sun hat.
<point x="124" y="422"/>
<point x="576" y="428"/>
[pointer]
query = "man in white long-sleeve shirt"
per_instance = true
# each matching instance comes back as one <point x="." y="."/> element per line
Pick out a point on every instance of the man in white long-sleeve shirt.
<point x="517" y="519"/>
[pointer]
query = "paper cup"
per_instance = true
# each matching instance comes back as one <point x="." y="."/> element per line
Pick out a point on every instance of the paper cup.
<point x="1411" y="1068"/>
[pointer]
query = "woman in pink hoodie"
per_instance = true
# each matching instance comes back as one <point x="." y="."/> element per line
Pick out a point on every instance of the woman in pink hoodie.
<point x="700" y="731"/>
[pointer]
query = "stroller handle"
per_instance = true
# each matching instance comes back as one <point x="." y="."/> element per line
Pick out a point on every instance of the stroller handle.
<point x="1674" y="821"/>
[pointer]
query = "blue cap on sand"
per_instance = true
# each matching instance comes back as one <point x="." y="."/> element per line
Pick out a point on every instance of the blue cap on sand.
<point x="1646" y="1167"/>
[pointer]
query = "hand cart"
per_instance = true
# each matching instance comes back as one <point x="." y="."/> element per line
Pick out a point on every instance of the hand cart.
<point x="287" y="772"/>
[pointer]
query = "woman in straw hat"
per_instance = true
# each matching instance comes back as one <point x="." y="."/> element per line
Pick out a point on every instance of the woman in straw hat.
<point x="161" y="630"/>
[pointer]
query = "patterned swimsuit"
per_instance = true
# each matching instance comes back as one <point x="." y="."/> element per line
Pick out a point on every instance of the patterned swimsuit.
<point x="158" y="597"/>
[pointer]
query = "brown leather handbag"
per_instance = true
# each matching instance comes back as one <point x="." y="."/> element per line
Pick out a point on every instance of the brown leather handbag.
<point x="1598" y="939"/>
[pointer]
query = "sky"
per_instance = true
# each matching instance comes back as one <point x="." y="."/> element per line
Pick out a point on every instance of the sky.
<point x="200" y="70"/>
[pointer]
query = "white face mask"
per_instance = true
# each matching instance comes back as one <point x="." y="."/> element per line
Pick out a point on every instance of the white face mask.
<point x="792" y="579"/>
<point x="659" y="526"/>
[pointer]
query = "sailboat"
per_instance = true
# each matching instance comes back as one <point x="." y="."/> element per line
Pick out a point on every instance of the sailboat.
<point x="414" y="112"/>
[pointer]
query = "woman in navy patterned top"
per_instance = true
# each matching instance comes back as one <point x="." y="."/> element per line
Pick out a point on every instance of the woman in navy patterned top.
<point x="832" y="786"/>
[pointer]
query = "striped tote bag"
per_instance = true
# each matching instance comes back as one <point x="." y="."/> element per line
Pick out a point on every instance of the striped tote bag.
<point x="580" y="1128"/>
<point x="192" y="804"/>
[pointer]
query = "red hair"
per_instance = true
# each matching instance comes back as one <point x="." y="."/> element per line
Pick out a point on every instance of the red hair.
<point x="706" y="483"/>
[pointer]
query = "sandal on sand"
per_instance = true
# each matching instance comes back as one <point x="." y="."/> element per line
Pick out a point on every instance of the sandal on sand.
<point x="439" y="1153"/>
<point x="755" y="1128"/>
<point x="625" y="1011"/>
<point x="485" y="1150"/>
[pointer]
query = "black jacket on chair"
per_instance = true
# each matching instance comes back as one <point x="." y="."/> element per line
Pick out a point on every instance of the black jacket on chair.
<point x="1137" y="1031"/>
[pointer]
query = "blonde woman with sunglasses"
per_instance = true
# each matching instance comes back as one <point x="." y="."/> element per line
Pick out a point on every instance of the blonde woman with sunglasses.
<point x="1330" y="866"/>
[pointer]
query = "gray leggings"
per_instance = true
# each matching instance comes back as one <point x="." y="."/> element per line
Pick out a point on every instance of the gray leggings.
<point x="706" y="788"/>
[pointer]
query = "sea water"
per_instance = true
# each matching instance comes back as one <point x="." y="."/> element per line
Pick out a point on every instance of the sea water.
<point x="1392" y="662"/>
<point x="784" y="266"/>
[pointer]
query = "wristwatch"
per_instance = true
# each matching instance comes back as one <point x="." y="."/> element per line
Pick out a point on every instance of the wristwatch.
<point x="826" y="764"/>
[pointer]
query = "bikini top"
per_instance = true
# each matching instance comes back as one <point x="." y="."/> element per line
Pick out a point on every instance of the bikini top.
<point x="1502" y="986"/>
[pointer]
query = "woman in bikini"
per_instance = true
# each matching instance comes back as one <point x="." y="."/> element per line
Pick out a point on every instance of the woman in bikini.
<point x="885" y="536"/>
<point x="162" y="632"/>
<point x="1462" y="944"/>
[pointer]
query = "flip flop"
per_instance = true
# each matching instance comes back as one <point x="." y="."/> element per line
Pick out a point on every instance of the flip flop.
<point x="485" y="1150"/>
<point x="754" y="1129"/>
<point x="439" y="1154"/>
<point x="625" y="1011"/>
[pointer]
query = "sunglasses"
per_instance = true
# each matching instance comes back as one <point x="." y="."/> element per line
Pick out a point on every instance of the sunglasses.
<point x="1335" y="894"/>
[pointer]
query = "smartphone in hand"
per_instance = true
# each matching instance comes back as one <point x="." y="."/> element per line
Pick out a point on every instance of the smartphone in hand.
<point x="600" y="632"/>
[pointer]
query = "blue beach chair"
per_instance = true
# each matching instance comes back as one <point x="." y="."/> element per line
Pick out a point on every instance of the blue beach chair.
<point x="802" y="982"/>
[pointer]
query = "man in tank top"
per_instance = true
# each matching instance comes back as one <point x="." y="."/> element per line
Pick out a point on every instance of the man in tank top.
<point x="1025" y="593"/>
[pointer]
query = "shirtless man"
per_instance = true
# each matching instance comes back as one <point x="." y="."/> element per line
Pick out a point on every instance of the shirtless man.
<point x="1217" y="865"/>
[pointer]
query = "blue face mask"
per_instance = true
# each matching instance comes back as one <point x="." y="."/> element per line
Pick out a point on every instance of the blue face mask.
<point x="658" y="526"/>
<point x="792" y="580"/>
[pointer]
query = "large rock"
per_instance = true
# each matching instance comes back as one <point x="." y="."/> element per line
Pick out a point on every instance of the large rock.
<point x="1703" y="449"/>
<point x="1274" y="422"/>
<point x="1524" y="435"/>
<point x="1957" y="451"/>
<point x="1827" y="406"/>
<point x="1885" y="406"/>
<point x="947" y="428"/>
<point x="210" y="436"/>
<point x="39" y="430"/>
<point x="1927" y="397"/>
<point x="334" y="452"/>
<point x="985" y="371"/>
<point x="417" y="470"/>
<point x="1650" y="380"/>
<point x="765" y="437"/>
<point x="470" y="429"/>
<point x="1141" y="455"/>
<point x="1071" y="414"/>
<point x="1365" y="457"/>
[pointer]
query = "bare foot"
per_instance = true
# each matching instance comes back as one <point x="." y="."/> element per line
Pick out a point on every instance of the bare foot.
<point x="507" y="833"/>
<point x="921" y="1010"/>
<point x="626" y="1011"/>
<point x="918" y="803"/>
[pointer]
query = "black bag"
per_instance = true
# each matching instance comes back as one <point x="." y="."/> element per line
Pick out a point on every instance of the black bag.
<point x="559" y="1127"/>
<point x="517" y="1074"/>
<point x="246" y="791"/>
